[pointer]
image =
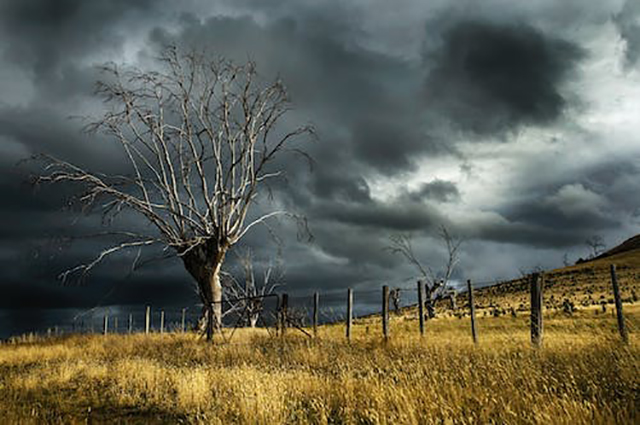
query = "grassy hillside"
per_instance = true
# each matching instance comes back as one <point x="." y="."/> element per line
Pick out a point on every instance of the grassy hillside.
<point x="584" y="285"/>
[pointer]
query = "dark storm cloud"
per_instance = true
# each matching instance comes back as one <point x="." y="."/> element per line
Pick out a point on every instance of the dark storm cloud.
<point x="161" y="284"/>
<point x="628" y="22"/>
<point x="336" y="184"/>
<point x="44" y="35"/>
<point x="591" y="200"/>
<point x="384" y="216"/>
<point x="364" y="103"/>
<point x="436" y="190"/>
<point x="491" y="77"/>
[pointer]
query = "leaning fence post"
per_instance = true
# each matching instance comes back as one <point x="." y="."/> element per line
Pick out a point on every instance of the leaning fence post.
<point x="472" y="311"/>
<point x="161" y="321"/>
<point x="536" y="310"/>
<point x="616" y="294"/>
<point x="147" y="320"/>
<point x="184" y="312"/>
<point x="106" y="324"/>
<point x="316" y="302"/>
<point x="349" y="312"/>
<point x="385" y="312"/>
<point x="421" y="307"/>
<point x="130" y="323"/>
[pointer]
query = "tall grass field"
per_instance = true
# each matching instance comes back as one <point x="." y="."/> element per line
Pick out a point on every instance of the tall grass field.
<point x="582" y="374"/>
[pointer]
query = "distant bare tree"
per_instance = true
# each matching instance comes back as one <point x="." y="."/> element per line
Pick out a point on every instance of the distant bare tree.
<point x="394" y="294"/>
<point x="201" y="136"/>
<point x="595" y="244"/>
<point x="436" y="285"/>
<point x="249" y="291"/>
<point x="526" y="273"/>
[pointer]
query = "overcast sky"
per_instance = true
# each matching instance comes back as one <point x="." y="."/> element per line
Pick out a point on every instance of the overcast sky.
<point x="514" y="124"/>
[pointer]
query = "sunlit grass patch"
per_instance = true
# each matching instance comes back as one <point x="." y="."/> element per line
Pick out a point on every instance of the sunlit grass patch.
<point x="582" y="374"/>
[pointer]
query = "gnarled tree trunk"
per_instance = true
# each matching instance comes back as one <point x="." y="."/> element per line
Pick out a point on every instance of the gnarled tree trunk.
<point x="204" y="263"/>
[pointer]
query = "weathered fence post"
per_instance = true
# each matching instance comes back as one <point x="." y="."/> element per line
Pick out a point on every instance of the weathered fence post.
<point x="161" y="321"/>
<point x="349" y="312"/>
<point x="421" y="307"/>
<point x="616" y="294"/>
<point x="105" y="328"/>
<point x="147" y="320"/>
<point x="472" y="311"/>
<point x="385" y="312"/>
<point x="536" y="310"/>
<point x="130" y="327"/>
<point x="115" y="325"/>
<point x="183" y="323"/>
<point x="316" y="302"/>
<point x="284" y="314"/>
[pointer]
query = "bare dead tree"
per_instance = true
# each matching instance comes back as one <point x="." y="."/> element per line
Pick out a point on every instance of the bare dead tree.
<point x="201" y="136"/>
<point x="436" y="284"/>
<point x="595" y="244"/>
<point x="394" y="294"/>
<point x="250" y="291"/>
<point x="526" y="273"/>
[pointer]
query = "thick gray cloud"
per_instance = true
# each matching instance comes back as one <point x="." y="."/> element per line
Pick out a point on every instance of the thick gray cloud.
<point x="436" y="190"/>
<point x="491" y="121"/>
<point x="491" y="77"/>
<point x="628" y="22"/>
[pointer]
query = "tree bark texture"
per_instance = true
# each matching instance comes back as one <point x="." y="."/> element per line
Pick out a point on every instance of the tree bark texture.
<point x="204" y="263"/>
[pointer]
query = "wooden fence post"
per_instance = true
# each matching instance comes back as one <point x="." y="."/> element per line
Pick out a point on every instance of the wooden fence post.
<point x="472" y="310"/>
<point x="130" y="323"/>
<point x="183" y="322"/>
<point x="115" y="325"/>
<point x="421" y="307"/>
<point x="284" y="317"/>
<point x="147" y="320"/>
<point x="316" y="302"/>
<point x="349" y="312"/>
<point x="536" y="310"/>
<point x="161" y="321"/>
<point x="616" y="294"/>
<point x="385" y="312"/>
<point x="105" y="328"/>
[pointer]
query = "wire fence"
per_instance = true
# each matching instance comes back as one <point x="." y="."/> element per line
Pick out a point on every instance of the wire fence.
<point x="278" y="311"/>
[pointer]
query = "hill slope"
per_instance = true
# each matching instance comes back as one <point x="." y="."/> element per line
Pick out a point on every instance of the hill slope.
<point x="586" y="284"/>
<point x="630" y="244"/>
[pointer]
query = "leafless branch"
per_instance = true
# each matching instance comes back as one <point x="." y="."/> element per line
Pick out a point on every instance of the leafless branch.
<point x="437" y="284"/>
<point x="200" y="136"/>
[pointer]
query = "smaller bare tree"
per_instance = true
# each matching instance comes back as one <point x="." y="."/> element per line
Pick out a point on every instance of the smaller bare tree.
<point x="526" y="273"/>
<point x="436" y="284"/>
<point x="246" y="294"/>
<point x="596" y="245"/>
<point x="394" y="294"/>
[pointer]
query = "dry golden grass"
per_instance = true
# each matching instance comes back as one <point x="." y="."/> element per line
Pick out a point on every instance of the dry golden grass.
<point x="586" y="284"/>
<point x="583" y="374"/>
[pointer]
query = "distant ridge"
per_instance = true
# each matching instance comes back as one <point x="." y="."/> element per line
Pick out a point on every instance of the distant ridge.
<point x="628" y="245"/>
